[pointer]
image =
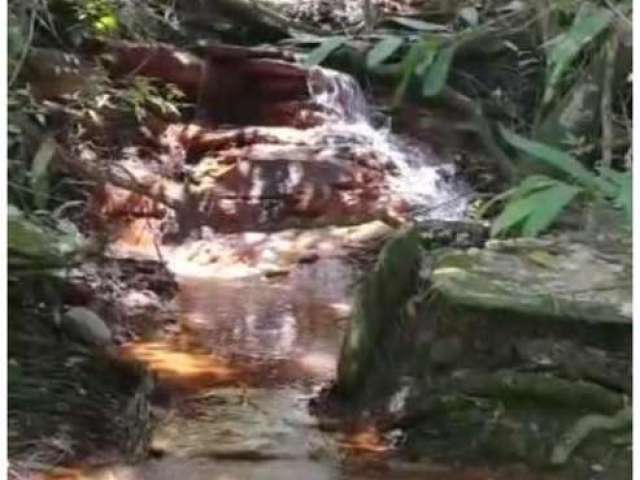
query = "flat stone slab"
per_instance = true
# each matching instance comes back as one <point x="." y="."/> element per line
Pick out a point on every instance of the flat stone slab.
<point x="543" y="278"/>
<point x="241" y="424"/>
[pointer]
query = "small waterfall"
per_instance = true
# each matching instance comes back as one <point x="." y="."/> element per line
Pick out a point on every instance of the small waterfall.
<point x="418" y="176"/>
<point x="339" y="93"/>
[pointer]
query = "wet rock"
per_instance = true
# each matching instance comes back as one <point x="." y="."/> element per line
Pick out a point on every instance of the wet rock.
<point x="277" y="146"/>
<point x="86" y="326"/>
<point x="239" y="424"/>
<point x="261" y="253"/>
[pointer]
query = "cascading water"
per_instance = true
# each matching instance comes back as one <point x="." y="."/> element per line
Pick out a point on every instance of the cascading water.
<point x="417" y="176"/>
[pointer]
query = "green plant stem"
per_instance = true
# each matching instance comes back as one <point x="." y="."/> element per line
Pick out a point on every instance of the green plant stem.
<point x="605" y="105"/>
<point x="25" y="50"/>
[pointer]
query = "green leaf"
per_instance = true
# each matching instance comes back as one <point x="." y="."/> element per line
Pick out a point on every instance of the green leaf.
<point x="39" y="171"/>
<point x="528" y="185"/>
<point x="557" y="159"/>
<point x="106" y="24"/>
<point x="430" y="49"/>
<point x="549" y="204"/>
<point x="588" y="23"/>
<point x="384" y="49"/>
<point x="535" y="212"/>
<point x="411" y="60"/>
<point x="39" y="243"/>
<point x="514" y="213"/>
<point x="326" y="48"/>
<point x="435" y="78"/>
<point x="613" y="176"/>
<point x="533" y="183"/>
<point x="624" y="199"/>
<point x="420" y="25"/>
<point x="26" y="237"/>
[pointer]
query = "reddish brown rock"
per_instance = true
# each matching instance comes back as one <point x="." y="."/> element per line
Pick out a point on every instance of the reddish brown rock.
<point x="241" y="90"/>
<point x="160" y="61"/>
<point x="233" y="172"/>
<point x="233" y="85"/>
<point x="53" y="74"/>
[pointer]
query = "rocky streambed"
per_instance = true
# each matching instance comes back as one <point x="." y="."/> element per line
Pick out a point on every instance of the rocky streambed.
<point x="269" y="201"/>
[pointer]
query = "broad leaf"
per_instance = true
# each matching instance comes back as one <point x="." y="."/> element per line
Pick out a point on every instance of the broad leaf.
<point x="588" y="23"/>
<point x="27" y="238"/>
<point x="534" y="213"/>
<point x="557" y="159"/>
<point x="429" y="50"/>
<point x="528" y="185"/>
<point x="514" y="214"/>
<point x="40" y="243"/>
<point x="384" y="49"/>
<point x="326" y="48"/>
<point x="549" y="204"/>
<point x="411" y="60"/>
<point x="435" y="78"/>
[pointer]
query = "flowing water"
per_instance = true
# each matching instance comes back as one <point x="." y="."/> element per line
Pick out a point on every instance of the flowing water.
<point x="417" y="176"/>
<point x="252" y="351"/>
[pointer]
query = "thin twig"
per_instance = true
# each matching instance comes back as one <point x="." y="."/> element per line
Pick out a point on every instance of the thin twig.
<point x="618" y="12"/>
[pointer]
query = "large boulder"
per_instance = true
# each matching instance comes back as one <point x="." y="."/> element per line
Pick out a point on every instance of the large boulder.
<point x="520" y="351"/>
<point x="546" y="278"/>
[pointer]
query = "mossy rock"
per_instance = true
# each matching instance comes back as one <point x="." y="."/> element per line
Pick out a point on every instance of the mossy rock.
<point x="380" y="299"/>
<point x="542" y="278"/>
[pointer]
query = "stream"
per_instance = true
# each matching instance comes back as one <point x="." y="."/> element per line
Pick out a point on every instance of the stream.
<point x="259" y="328"/>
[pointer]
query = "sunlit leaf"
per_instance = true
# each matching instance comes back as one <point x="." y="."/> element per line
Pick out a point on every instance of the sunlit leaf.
<point x="106" y="24"/>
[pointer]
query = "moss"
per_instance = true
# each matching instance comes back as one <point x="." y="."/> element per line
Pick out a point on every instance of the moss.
<point x="380" y="300"/>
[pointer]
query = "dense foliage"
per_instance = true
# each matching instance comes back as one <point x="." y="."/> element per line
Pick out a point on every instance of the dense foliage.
<point x="574" y="60"/>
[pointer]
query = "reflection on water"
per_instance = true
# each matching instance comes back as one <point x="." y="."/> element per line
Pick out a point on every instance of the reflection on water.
<point x="250" y="356"/>
<point x="255" y="331"/>
<point x="294" y="318"/>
